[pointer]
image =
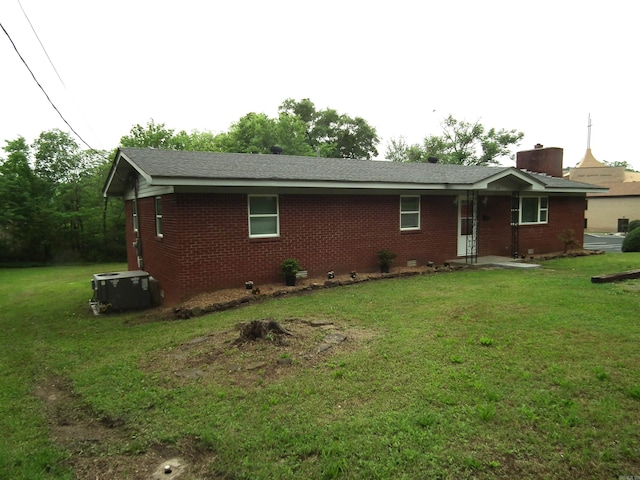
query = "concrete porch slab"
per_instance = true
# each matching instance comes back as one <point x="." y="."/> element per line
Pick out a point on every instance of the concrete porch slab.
<point x="496" y="261"/>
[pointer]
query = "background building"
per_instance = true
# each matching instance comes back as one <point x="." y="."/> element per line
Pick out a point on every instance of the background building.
<point x="611" y="211"/>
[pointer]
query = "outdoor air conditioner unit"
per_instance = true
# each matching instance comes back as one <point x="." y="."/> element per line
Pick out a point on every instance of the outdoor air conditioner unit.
<point x="120" y="291"/>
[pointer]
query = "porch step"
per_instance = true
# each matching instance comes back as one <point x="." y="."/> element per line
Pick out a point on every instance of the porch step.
<point x="497" y="261"/>
<point x="514" y="265"/>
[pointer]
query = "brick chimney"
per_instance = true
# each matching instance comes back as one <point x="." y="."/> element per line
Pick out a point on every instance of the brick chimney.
<point x="541" y="160"/>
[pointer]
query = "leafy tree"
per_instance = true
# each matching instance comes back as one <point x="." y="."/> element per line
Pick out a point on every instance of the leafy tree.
<point x="305" y="110"/>
<point x="62" y="168"/>
<point x="57" y="157"/>
<point x="398" y="150"/>
<point x="19" y="192"/>
<point x="618" y="163"/>
<point x="332" y="134"/>
<point x="257" y="133"/>
<point x="104" y="234"/>
<point x="198" y="141"/>
<point x="253" y="133"/>
<point x="299" y="129"/>
<point x="291" y="135"/>
<point x="154" y="135"/>
<point x="461" y="143"/>
<point x="53" y="208"/>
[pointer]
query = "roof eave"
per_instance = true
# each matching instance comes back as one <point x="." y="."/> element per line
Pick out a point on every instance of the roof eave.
<point x="576" y="190"/>
<point x="112" y="172"/>
<point x="307" y="184"/>
<point x="124" y="168"/>
<point x="484" y="185"/>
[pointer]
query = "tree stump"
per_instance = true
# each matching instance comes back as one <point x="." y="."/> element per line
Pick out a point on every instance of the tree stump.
<point x="258" y="329"/>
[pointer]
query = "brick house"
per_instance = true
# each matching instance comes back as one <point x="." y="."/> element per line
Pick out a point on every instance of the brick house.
<point x="201" y="221"/>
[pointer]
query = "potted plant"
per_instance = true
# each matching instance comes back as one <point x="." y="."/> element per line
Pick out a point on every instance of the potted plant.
<point x="385" y="258"/>
<point x="288" y="269"/>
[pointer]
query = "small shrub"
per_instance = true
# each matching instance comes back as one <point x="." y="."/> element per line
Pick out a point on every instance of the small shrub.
<point x="385" y="259"/>
<point x="386" y="256"/>
<point x="631" y="242"/>
<point x="568" y="237"/>
<point x="290" y="266"/>
<point x="633" y="224"/>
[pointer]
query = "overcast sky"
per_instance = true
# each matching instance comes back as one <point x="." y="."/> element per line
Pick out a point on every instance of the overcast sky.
<point x="540" y="67"/>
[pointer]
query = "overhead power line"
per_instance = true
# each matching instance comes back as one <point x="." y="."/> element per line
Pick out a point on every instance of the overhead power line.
<point x="41" y="44"/>
<point x="43" y="90"/>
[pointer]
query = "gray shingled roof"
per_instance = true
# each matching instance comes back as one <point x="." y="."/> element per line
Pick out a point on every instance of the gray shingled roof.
<point x="162" y="165"/>
<point x="183" y="164"/>
<point x="557" y="182"/>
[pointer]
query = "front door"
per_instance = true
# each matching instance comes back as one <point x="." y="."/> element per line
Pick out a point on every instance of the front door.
<point x="466" y="227"/>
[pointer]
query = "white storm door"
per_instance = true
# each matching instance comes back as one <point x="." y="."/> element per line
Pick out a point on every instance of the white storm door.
<point x="466" y="225"/>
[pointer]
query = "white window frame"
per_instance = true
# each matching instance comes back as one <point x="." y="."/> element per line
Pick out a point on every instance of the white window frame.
<point x="542" y="214"/>
<point x="134" y="214"/>
<point x="158" y="211"/>
<point x="275" y="215"/>
<point x="410" y="212"/>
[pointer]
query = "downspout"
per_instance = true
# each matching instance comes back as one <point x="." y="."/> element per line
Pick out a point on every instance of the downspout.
<point x="104" y="223"/>
<point x="137" y="244"/>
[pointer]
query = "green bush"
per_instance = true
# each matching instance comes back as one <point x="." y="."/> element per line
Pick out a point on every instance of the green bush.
<point x="290" y="266"/>
<point x="633" y="224"/>
<point x="631" y="242"/>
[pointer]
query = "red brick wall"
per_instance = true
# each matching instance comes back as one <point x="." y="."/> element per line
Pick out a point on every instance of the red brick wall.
<point x="206" y="244"/>
<point x="494" y="230"/>
<point x="162" y="255"/>
<point x="564" y="213"/>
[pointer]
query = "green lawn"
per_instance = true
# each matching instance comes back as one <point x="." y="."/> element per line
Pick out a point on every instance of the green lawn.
<point x="474" y="374"/>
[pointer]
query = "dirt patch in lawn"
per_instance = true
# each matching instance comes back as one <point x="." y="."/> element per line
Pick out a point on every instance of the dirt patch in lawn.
<point x="226" y="358"/>
<point x="102" y="447"/>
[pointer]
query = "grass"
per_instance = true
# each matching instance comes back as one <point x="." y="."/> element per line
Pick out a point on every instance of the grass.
<point x="476" y="374"/>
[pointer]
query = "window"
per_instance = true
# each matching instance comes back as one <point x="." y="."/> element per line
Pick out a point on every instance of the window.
<point x="410" y="213"/>
<point x="159" y="216"/>
<point x="534" y="210"/>
<point x="134" y="207"/>
<point x="263" y="216"/>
